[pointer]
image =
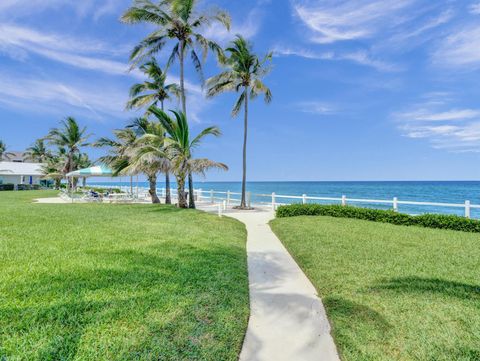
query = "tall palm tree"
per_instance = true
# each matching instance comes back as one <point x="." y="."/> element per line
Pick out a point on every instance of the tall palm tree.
<point x="180" y="22"/>
<point x="70" y="137"/>
<point x="4" y="154"/>
<point x="38" y="152"/>
<point x="244" y="74"/>
<point x="180" y="147"/>
<point x="151" y="92"/>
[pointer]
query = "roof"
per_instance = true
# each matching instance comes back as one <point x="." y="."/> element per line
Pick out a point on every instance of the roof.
<point x="97" y="171"/>
<point x="10" y="156"/>
<point x="13" y="168"/>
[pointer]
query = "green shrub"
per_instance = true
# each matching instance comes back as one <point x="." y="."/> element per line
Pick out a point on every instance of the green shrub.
<point x="451" y="222"/>
<point x="7" y="187"/>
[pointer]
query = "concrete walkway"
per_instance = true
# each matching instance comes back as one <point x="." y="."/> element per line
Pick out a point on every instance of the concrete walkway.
<point x="287" y="320"/>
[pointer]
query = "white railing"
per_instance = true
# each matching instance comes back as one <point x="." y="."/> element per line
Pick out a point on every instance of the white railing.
<point x="228" y="198"/>
<point x="273" y="202"/>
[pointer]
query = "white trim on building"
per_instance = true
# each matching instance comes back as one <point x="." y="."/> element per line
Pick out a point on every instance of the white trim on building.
<point x="20" y="173"/>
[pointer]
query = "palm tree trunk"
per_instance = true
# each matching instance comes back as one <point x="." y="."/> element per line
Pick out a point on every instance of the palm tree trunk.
<point x="152" y="180"/>
<point x="191" y="197"/>
<point x="84" y="182"/>
<point x="182" y="202"/>
<point x="243" y="203"/>
<point x="168" y="195"/>
<point x="182" y="77"/>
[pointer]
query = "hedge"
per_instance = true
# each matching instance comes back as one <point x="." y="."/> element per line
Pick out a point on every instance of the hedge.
<point x="7" y="187"/>
<point x="451" y="222"/>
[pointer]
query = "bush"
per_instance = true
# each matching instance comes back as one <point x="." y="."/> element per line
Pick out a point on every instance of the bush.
<point x="7" y="187"/>
<point x="455" y="223"/>
<point x="28" y="187"/>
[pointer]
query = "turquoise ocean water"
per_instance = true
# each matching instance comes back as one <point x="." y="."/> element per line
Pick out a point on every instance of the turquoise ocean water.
<point x="428" y="191"/>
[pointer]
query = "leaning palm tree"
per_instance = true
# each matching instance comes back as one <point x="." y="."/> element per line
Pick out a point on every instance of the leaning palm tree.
<point x="4" y="154"/>
<point x="179" y="148"/>
<point x="244" y="74"/>
<point x="38" y="152"/>
<point x="70" y="137"/>
<point x="152" y="92"/>
<point x="179" y="21"/>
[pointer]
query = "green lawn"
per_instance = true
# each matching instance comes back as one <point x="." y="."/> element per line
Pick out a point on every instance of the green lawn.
<point x="392" y="292"/>
<point x="119" y="282"/>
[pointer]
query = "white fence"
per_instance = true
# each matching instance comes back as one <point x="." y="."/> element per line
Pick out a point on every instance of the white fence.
<point x="273" y="200"/>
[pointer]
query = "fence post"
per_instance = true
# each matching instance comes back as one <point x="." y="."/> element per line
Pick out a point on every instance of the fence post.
<point x="219" y="210"/>
<point x="199" y="194"/>
<point x="344" y="201"/>
<point x="249" y="199"/>
<point x="224" y="205"/>
<point x="228" y="198"/>
<point x="212" y="199"/>
<point x="395" y="204"/>
<point x="273" y="200"/>
<point x="467" y="209"/>
<point x="304" y="199"/>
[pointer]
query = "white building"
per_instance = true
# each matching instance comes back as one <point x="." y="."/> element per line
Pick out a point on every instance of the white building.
<point x="20" y="173"/>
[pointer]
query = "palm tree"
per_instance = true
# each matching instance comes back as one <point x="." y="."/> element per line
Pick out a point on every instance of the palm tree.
<point x="244" y="75"/>
<point x="154" y="90"/>
<point x="83" y="161"/>
<point x="151" y="92"/>
<point x="54" y="167"/>
<point x="124" y="158"/>
<point x="176" y="20"/>
<point x="38" y="152"/>
<point x="70" y="137"/>
<point x="179" y="148"/>
<point x="4" y="154"/>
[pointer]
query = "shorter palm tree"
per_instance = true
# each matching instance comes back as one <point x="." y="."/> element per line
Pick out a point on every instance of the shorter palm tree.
<point x="154" y="91"/>
<point x="54" y="167"/>
<point x="38" y="152"/>
<point x="244" y="74"/>
<point x="4" y="154"/>
<point x="179" y="148"/>
<point x="83" y="161"/>
<point x="71" y="138"/>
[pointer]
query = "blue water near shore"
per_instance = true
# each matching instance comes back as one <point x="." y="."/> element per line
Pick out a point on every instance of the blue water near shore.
<point x="429" y="191"/>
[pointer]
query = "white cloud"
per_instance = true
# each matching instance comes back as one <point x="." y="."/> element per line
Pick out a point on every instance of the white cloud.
<point x="315" y="107"/>
<point x="475" y="8"/>
<point x="248" y="28"/>
<point x="332" y="21"/>
<point x="360" y="57"/>
<point x="451" y="129"/>
<point x="29" y="94"/>
<point x="427" y="115"/>
<point x="460" y="49"/>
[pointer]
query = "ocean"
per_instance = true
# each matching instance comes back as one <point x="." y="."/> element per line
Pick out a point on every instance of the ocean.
<point x="420" y="191"/>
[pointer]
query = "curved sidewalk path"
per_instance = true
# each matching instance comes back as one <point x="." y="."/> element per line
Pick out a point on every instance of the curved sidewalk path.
<point x="287" y="318"/>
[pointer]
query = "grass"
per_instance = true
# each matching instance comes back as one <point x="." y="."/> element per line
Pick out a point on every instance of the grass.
<point x="119" y="282"/>
<point x="391" y="292"/>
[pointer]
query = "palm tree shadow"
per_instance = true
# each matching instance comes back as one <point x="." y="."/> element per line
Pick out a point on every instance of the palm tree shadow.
<point x="146" y="282"/>
<point x="430" y="285"/>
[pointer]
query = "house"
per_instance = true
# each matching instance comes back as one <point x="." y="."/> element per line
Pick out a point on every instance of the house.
<point x="20" y="173"/>
<point x="16" y="157"/>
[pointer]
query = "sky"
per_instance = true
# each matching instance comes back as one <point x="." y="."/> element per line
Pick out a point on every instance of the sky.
<point x="362" y="90"/>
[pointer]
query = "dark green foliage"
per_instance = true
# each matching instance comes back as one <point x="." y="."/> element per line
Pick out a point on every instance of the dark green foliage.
<point x="7" y="187"/>
<point x="451" y="222"/>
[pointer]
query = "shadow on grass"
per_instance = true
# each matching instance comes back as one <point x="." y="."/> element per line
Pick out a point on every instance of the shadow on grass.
<point x="430" y="285"/>
<point x="164" y="298"/>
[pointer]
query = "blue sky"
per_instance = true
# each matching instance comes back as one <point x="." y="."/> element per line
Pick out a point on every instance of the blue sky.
<point x="363" y="90"/>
